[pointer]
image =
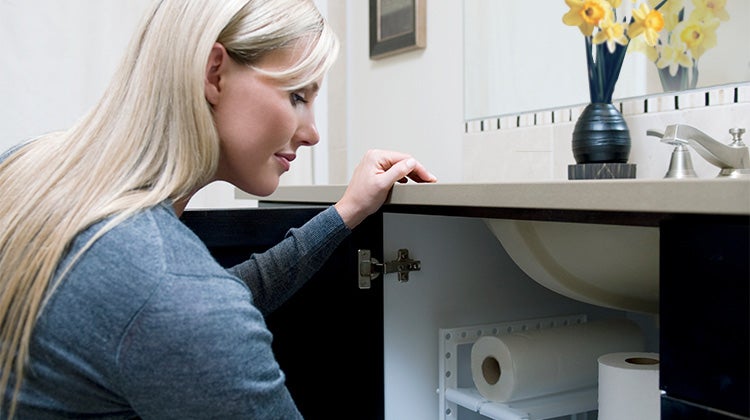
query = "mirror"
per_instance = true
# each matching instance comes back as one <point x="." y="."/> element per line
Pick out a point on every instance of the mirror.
<point x="520" y="57"/>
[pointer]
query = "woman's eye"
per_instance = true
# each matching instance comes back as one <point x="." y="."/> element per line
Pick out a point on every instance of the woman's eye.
<point x="298" y="98"/>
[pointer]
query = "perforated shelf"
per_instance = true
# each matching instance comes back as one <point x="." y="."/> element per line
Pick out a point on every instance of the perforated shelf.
<point x="457" y="386"/>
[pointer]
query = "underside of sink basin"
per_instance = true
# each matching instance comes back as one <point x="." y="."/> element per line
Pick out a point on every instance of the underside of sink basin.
<point x="606" y="265"/>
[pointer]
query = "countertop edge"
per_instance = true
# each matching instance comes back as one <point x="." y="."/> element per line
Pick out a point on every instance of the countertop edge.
<point x="701" y="196"/>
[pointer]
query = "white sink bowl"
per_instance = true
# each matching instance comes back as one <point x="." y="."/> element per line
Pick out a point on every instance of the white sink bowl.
<point x="607" y="265"/>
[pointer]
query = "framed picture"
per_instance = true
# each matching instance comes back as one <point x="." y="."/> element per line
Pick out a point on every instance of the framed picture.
<point x="396" y="26"/>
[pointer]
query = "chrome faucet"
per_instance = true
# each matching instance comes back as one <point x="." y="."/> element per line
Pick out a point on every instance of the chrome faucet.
<point x="733" y="158"/>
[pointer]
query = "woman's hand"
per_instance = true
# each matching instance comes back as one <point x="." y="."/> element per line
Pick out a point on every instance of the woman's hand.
<point x="373" y="179"/>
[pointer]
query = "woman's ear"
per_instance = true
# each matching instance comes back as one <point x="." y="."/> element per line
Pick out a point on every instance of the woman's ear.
<point x="214" y="67"/>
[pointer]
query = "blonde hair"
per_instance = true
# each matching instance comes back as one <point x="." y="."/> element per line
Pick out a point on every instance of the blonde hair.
<point x="151" y="138"/>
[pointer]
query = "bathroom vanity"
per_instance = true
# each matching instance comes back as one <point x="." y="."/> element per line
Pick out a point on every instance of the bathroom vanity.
<point x="367" y="330"/>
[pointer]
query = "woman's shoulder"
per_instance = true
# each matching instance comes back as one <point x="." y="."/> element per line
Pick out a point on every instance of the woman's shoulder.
<point x="131" y="263"/>
<point x="152" y="240"/>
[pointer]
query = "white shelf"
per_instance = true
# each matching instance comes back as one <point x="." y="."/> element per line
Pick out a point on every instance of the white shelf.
<point x="457" y="390"/>
<point x="548" y="406"/>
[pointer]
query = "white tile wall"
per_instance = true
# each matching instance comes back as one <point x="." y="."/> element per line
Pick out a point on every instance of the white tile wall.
<point x="537" y="146"/>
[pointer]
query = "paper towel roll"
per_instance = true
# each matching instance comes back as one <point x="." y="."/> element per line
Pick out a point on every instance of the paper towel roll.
<point x="629" y="386"/>
<point x="539" y="362"/>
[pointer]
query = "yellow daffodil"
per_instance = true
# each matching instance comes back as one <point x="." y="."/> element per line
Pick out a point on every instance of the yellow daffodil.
<point x="647" y="22"/>
<point x="612" y="33"/>
<point x="674" y="55"/>
<point x="717" y="7"/>
<point x="639" y="45"/>
<point x="586" y="14"/>
<point x="699" y="35"/>
<point x="670" y="11"/>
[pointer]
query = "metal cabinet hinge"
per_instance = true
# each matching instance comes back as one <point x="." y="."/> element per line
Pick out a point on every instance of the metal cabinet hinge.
<point x="370" y="268"/>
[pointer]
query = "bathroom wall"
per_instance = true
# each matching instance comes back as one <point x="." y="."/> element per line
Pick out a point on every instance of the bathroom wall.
<point x="531" y="147"/>
<point x="57" y="60"/>
<point x="411" y="101"/>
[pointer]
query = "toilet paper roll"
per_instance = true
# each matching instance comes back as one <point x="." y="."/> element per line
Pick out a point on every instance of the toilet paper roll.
<point x="539" y="362"/>
<point x="629" y="386"/>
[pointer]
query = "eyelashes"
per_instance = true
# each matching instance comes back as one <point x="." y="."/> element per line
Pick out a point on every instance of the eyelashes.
<point x="297" y="98"/>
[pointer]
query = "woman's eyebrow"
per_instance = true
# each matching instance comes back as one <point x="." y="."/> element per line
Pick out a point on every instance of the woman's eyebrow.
<point x="313" y="87"/>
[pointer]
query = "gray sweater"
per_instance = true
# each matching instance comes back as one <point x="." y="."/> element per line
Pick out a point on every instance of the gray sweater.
<point x="147" y="324"/>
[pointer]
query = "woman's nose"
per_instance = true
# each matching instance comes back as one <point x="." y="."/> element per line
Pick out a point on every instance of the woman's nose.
<point x="307" y="133"/>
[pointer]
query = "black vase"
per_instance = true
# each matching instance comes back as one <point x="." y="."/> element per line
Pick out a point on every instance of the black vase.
<point x="601" y="135"/>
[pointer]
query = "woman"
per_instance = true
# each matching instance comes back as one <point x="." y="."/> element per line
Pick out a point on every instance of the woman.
<point x="109" y="306"/>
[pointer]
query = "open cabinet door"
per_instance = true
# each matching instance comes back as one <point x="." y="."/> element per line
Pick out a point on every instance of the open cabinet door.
<point x="328" y="338"/>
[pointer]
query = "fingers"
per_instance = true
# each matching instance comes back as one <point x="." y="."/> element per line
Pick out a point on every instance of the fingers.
<point x="420" y="174"/>
<point x="372" y="180"/>
<point x="404" y="167"/>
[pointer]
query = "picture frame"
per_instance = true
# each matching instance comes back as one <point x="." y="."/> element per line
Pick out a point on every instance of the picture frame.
<point x="397" y="26"/>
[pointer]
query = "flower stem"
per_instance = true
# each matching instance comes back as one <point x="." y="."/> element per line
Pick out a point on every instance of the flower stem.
<point x="603" y="70"/>
<point x="613" y="71"/>
<point x="590" y="66"/>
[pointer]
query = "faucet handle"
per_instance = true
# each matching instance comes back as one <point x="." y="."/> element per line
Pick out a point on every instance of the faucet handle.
<point x="654" y="133"/>
<point x="671" y="138"/>
<point x="737" y="137"/>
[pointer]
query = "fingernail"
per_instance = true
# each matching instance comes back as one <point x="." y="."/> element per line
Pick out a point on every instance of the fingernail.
<point x="411" y="163"/>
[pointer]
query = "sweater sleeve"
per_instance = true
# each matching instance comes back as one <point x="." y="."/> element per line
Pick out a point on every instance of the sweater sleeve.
<point x="275" y="275"/>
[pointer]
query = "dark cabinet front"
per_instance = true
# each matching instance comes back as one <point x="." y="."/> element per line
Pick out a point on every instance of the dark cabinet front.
<point x="328" y="338"/>
<point x="705" y="317"/>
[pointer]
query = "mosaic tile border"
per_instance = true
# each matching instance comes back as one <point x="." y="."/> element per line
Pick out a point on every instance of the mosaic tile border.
<point x="698" y="98"/>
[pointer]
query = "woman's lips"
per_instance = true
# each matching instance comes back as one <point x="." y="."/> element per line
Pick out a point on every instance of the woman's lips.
<point x="286" y="159"/>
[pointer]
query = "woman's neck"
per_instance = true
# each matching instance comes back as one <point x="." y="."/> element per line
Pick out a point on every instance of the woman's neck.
<point x="179" y="205"/>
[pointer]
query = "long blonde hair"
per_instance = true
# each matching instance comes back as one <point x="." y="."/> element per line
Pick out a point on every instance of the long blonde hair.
<point x="151" y="138"/>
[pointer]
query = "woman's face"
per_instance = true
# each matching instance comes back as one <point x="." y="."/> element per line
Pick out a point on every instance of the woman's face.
<point x="260" y="124"/>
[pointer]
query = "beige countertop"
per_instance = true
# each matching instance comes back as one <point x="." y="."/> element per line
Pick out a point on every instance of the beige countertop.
<point x="725" y="196"/>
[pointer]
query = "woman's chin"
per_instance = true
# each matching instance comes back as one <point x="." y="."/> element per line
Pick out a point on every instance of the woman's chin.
<point x="261" y="190"/>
